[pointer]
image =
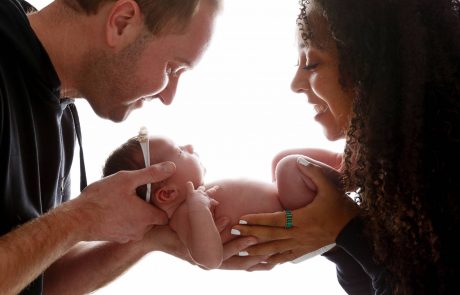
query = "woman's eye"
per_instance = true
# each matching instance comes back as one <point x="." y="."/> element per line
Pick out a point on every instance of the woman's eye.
<point x="310" y="67"/>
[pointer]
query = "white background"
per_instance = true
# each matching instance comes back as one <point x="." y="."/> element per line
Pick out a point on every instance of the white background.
<point x="237" y="109"/>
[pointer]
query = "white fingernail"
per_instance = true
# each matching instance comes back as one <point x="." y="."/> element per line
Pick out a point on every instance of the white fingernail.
<point x="243" y="253"/>
<point x="235" y="232"/>
<point x="243" y="222"/>
<point x="303" y="161"/>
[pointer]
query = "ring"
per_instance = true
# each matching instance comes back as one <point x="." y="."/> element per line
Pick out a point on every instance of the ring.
<point x="288" y="219"/>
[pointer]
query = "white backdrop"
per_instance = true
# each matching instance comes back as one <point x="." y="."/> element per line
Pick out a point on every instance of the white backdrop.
<point x="237" y="109"/>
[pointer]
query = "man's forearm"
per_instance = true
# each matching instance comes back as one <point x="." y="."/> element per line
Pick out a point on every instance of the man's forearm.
<point x="90" y="266"/>
<point x="28" y="250"/>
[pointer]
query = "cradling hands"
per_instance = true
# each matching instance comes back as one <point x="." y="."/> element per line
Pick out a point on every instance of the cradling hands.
<point x="313" y="226"/>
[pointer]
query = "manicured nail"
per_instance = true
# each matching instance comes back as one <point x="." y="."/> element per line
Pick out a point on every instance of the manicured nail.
<point x="243" y="253"/>
<point x="303" y="161"/>
<point x="243" y="222"/>
<point x="235" y="232"/>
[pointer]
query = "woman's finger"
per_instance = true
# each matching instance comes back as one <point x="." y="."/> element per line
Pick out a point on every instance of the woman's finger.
<point x="271" y="248"/>
<point x="235" y="246"/>
<point x="313" y="171"/>
<point x="277" y="219"/>
<point x="263" y="233"/>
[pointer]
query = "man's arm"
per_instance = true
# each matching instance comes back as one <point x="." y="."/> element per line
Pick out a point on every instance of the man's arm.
<point x="106" y="210"/>
<point x="90" y="266"/>
<point x="28" y="250"/>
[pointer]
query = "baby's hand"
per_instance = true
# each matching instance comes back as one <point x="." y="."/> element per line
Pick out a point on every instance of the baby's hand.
<point x="199" y="199"/>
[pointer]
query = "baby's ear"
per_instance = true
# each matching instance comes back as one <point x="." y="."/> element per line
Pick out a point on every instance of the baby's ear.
<point x="166" y="194"/>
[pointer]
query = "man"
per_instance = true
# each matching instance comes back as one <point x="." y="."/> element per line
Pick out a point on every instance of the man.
<point x="116" y="54"/>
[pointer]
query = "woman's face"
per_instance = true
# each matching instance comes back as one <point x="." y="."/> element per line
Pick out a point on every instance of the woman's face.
<point x="317" y="77"/>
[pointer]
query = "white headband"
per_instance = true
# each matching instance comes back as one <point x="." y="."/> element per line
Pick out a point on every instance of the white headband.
<point x="143" y="139"/>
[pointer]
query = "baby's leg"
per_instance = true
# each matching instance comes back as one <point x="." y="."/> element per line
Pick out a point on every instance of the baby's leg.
<point x="295" y="189"/>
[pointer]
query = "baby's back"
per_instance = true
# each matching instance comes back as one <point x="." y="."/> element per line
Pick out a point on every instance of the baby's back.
<point x="241" y="196"/>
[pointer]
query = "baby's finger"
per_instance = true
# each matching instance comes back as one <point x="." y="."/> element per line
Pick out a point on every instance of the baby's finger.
<point x="211" y="191"/>
<point x="277" y="219"/>
<point x="190" y="188"/>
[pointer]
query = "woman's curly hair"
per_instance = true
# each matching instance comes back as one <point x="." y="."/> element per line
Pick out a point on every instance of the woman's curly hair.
<point x="402" y="59"/>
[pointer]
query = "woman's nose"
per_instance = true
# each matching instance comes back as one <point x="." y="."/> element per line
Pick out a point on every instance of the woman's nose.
<point x="300" y="82"/>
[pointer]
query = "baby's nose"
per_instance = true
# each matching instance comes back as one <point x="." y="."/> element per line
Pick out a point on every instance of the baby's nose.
<point x="188" y="148"/>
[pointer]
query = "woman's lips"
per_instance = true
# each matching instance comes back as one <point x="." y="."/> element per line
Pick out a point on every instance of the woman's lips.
<point x="320" y="109"/>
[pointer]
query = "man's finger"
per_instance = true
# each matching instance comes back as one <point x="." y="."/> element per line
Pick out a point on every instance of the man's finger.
<point x="262" y="266"/>
<point x="152" y="174"/>
<point x="242" y="263"/>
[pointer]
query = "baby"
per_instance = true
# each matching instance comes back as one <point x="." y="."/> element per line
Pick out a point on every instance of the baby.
<point x="192" y="211"/>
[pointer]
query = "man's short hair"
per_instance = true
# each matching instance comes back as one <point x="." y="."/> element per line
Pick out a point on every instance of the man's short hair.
<point x="161" y="16"/>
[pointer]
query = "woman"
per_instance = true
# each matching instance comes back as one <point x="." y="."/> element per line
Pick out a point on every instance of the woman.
<point x="385" y="75"/>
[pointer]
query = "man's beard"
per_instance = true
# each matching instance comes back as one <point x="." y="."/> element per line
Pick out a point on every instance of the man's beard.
<point x="106" y="80"/>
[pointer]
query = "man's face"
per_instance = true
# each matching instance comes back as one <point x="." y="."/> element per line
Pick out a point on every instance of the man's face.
<point x="150" y="68"/>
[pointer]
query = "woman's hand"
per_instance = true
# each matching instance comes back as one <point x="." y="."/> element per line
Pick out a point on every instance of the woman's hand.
<point x="314" y="226"/>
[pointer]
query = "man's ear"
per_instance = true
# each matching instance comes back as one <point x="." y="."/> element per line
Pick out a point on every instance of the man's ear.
<point x="124" y="24"/>
<point x="166" y="194"/>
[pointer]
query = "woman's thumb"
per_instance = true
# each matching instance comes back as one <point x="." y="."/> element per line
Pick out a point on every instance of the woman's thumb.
<point x="312" y="171"/>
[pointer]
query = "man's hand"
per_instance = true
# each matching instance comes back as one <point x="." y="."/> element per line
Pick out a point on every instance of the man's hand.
<point x="110" y="210"/>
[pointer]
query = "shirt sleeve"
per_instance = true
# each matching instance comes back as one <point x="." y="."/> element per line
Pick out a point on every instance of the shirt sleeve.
<point x="352" y="240"/>
<point x="350" y="275"/>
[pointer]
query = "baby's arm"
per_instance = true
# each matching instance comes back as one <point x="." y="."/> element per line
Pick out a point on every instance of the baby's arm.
<point x="194" y="224"/>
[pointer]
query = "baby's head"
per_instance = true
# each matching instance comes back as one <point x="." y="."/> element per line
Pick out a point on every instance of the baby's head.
<point x="295" y="189"/>
<point x="167" y="194"/>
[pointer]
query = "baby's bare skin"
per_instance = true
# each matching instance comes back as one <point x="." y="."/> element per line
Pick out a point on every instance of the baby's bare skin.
<point x="239" y="197"/>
